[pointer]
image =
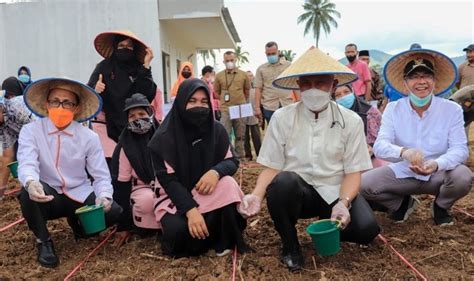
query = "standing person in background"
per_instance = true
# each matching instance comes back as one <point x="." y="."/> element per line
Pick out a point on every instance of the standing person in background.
<point x="13" y="87"/>
<point x="377" y="92"/>
<point x="266" y="95"/>
<point x="232" y="87"/>
<point x="24" y="75"/>
<point x="466" y="69"/>
<point x="186" y="71"/>
<point x="363" y="85"/>
<point x="124" y="71"/>
<point x="252" y="130"/>
<point x="208" y="76"/>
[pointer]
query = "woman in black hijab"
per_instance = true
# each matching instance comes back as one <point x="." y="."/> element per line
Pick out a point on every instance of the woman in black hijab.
<point x="122" y="73"/>
<point x="193" y="162"/>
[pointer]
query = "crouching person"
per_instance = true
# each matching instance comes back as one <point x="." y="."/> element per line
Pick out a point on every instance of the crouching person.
<point x="135" y="187"/>
<point x="314" y="152"/>
<point x="194" y="164"/>
<point x="54" y="153"/>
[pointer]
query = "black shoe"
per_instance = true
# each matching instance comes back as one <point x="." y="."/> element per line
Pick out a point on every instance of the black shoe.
<point x="441" y="216"/>
<point x="46" y="254"/>
<point x="293" y="260"/>
<point x="409" y="205"/>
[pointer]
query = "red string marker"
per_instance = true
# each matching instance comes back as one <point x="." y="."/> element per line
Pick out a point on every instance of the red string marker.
<point x="97" y="248"/>
<point x="402" y="258"/>
<point x="12" y="224"/>
<point x="13" y="191"/>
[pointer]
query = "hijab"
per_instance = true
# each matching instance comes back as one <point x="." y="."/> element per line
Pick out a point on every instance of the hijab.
<point x="181" y="78"/>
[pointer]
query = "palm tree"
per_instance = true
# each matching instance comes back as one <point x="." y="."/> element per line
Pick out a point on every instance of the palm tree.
<point x="241" y="56"/>
<point x="207" y="54"/>
<point x="319" y="16"/>
<point x="288" y="54"/>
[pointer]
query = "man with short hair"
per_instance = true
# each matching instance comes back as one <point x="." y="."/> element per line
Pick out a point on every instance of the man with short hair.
<point x="267" y="96"/>
<point x="232" y="88"/>
<point x="423" y="136"/>
<point x="377" y="92"/>
<point x="208" y="76"/>
<point x="466" y="69"/>
<point x="363" y="85"/>
<point x="314" y="152"/>
<point x="53" y="155"/>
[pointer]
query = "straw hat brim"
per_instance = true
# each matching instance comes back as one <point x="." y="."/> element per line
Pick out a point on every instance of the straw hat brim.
<point x="445" y="71"/>
<point x="314" y="62"/>
<point x="37" y="92"/>
<point x="104" y="44"/>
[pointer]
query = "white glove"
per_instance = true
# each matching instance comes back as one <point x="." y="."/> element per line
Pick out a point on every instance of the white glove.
<point x="430" y="166"/>
<point x="250" y="205"/>
<point x="36" y="192"/>
<point x="341" y="213"/>
<point x="414" y="156"/>
<point x="107" y="203"/>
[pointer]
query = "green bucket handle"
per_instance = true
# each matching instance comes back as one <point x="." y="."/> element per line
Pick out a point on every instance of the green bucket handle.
<point x="338" y="222"/>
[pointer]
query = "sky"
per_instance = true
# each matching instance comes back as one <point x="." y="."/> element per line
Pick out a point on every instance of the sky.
<point x="387" y="25"/>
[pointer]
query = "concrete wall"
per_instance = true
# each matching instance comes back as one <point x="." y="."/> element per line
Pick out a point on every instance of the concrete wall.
<point x="55" y="37"/>
<point x="175" y="9"/>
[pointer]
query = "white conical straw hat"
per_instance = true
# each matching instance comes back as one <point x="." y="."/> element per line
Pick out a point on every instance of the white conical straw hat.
<point x="314" y="62"/>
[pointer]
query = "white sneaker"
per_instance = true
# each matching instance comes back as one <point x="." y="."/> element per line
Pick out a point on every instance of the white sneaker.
<point x="223" y="253"/>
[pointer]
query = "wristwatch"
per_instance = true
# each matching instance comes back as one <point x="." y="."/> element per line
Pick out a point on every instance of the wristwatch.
<point x="348" y="200"/>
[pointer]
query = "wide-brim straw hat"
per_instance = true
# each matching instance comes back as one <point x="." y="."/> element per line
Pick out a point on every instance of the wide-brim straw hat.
<point x="104" y="43"/>
<point x="445" y="71"/>
<point x="314" y="62"/>
<point x="37" y="92"/>
<point x="464" y="93"/>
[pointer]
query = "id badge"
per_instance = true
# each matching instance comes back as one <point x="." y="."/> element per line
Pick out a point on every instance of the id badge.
<point x="226" y="96"/>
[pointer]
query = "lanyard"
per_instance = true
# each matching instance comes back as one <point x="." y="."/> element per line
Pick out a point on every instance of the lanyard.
<point x="229" y="84"/>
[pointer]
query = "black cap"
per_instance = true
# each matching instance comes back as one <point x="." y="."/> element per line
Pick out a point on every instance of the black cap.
<point x="415" y="46"/>
<point x="364" y="53"/>
<point x="469" y="48"/>
<point x="136" y="100"/>
<point x="418" y="64"/>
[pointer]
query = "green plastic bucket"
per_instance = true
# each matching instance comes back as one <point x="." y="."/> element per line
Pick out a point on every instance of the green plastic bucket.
<point x="92" y="218"/>
<point x="326" y="236"/>
<point x="13" y="166"/>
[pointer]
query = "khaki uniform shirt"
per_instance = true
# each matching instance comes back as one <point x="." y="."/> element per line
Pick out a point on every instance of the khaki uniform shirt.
<point x="466" y="74"/>
<point x="272" y="98"/>
<point x="295" y="141"/>
<point x="235" y="82"/>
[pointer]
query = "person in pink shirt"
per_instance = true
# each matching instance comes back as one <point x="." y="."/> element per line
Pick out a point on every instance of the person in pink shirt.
<point x="363" y="85"/>
<point x="208" y="76"/>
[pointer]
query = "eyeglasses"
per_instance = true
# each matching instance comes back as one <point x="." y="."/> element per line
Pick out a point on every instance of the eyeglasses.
<point x="65" y="104"/>
<point x="420" y="77"/>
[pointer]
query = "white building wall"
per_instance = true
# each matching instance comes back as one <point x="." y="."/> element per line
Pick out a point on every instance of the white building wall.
<point x="55" y="37"/>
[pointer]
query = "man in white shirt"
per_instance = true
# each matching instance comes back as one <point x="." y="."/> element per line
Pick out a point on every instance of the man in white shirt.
<point x="54" y="153"/>
<point x="423" y="136"/>
<point x="314" y="152"/>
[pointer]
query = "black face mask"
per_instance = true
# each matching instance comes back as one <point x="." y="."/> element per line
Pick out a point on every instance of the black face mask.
<point x="124" y="55"/>
<point x="186" y="74"/>
<point x="351" y="58"/>
<point x="197" y="116"/>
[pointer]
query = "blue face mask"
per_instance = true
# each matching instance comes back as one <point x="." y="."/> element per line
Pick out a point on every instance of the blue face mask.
<point x="24" y="78"/>
<point x="347" y="101"/>
<point x="420" y="102"/>
<point x="272" y="59"/>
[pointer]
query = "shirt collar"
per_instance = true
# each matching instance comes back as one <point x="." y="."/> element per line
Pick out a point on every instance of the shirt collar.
<point x="53" y="130"/>
<point x="310" y="116"/>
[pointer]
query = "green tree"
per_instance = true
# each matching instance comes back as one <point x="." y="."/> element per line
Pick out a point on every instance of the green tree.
<point x="207" y="54"/>
<point x="288" y="54"/>
<point x="318" y="16"/>
<point x="241" y="56"/>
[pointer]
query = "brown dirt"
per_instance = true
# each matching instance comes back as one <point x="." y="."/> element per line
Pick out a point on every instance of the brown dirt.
<point x="439" y="253"/>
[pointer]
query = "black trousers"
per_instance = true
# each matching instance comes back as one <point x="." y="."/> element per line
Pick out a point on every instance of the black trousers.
<point x="225" y="226"/>
<point x="252" y="132"/>
<point x="37" y="214"/>
<point x="290" y="198"/>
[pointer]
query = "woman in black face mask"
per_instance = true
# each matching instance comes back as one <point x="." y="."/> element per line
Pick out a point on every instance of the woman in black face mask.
<point x="194" y="163"/>
<point x="133" y="178"/>
<point x="124" y="71"/>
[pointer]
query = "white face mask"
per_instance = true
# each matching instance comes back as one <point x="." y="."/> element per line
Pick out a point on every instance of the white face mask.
<point x="229" y="65"/>
<point x="315" y="99"/>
